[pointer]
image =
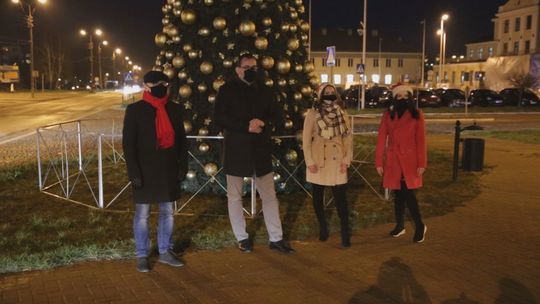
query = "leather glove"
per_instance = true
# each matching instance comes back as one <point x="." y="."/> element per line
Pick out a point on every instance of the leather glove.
<point x="136" y="183"/>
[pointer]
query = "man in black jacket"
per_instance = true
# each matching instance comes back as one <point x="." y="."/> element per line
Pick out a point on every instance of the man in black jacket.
<point x="155" y="150"/>
<point x="247" y="112"/>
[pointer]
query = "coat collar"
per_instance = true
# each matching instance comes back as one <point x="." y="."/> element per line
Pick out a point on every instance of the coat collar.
<point x="399" y="122"/>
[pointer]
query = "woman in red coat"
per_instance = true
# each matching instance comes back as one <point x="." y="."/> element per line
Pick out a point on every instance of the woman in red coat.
<point x="401" y="157"/>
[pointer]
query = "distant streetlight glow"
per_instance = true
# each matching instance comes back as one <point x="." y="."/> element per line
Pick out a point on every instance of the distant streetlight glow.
<point x="445" y="17"/>
<point x="99" y="32"/>
<point x="127" y="58"/>
<point x="82" y="32"/>
<point x="105" y="42"/>
<point x="15" y="1"/>
<point x="118" y="51"/>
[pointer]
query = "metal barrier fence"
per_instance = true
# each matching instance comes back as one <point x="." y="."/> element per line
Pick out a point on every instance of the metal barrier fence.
<point x="66" y="152"/>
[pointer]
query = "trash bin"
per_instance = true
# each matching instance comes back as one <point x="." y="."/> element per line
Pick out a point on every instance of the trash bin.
<point x="472" y="158"/>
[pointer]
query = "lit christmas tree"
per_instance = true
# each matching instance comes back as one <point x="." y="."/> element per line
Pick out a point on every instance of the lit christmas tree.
<point x="201" y="42"/>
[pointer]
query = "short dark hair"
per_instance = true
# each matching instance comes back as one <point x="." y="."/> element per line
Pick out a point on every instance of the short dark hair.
<point x="244" y="56"/>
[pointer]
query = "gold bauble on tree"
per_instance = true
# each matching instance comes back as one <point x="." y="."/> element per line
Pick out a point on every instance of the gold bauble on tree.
<point x="283" y="66"/>
<point x="288" y="124"/>
<point x="212" y="98"/>
<point x="184" y="91"/>
<point x="193" y="54"/>
<point x="176" y="39"/>
<point x="267" y="21"/>
<point x="202" y="87"/>
<point x="203" y="131"/>
<point x="291" y="156"/>
<point x="285" y="27"/>
<point x="282" y="82"/>
<point x="293" y="44"/>
<point x="170" y="72"/>
<point x="297" y="96"/>
<point x="298" y="2"/>
<point x="227" y="63"/>
<point x="188" y="126"/>
<point x="204" y="31"/>
<point x="306" y="90"/>
<point x="298" y="68"/>
<point x="182" y="75"/>
<point x="269" y="82"/>
<point x="219" y="23"/>
<point x="294" y="15"/>
<point x="188" y="16"/>
<point x="293" y="28"/>
<point x="204" y="147"/>
<point x="178" y="61"/>
<point x="247" y="28"/>
<point x="309" y="67"/>
<point x="206" y="67"/>
<point x="210" y="169"/>
<point x="187" y="47"/>
<point x="169" y="55"/>
<point x="217" y="84"/>
<point x="261" y="43"/>
<point x="267" y="62"/>
<point x="314" y="81"/>
<point x="208" y="2"/>
<point x="304" y="27"/>
<point x="160" y="39"/>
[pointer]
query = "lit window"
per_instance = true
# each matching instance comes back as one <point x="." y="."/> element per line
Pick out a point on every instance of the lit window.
<point x="350" y="78"/>
<point x="388" y="79"/>
<point x="375" y="78"/>
<point x="337" y="79"/>
<point x="324" y="78"/>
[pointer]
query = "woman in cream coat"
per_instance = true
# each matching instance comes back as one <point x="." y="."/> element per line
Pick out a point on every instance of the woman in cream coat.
<point x="327" y="143"/>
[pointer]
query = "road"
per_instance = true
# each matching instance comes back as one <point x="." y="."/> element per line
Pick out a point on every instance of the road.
<point x="20" y="114"/>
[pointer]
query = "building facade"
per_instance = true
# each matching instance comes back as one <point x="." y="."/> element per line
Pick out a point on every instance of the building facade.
<point x="514" y="49"/>
<point x="388" y="59"/>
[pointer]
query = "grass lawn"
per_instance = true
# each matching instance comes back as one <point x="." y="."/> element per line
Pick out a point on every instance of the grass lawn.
<point x="473" y="110"/>
<point x="38" y="231"/>
<point x="531" y="136"/>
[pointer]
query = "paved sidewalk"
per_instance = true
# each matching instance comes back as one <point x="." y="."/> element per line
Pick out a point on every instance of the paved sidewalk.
<point x="485" y="252"/>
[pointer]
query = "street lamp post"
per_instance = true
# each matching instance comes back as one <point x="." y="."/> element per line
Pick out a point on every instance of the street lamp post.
<point x="380" y="59"/>
<point x="362" y="81"/>
<point x="444" y="17"/>
<point x="29" y="10"/>
<point x="117" y="51"/>
<point x="90" y="35"/>
<point x="105" y="43"/>
<point x="423" y="70"/>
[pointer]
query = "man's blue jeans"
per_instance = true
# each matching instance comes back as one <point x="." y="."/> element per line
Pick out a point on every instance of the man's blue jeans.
<point x="164" y="232"/>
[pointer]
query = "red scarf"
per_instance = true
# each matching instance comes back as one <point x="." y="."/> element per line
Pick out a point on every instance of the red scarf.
<point x="164" y="129"/>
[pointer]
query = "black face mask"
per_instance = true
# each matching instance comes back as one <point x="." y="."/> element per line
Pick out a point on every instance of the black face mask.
<point x="158" y="91"/>
<point x="401" y="106"/>
<point x="329" y="97"/>
<point x="250" y="75"/>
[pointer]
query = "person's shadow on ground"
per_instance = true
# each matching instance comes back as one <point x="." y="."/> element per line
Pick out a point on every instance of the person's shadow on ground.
<point x="395" y="284"/>
<point x="513" y="292"/>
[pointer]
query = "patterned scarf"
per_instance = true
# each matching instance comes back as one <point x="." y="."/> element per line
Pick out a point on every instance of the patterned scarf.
<point x="164" y="129"/>
<point x="330" y="120"/>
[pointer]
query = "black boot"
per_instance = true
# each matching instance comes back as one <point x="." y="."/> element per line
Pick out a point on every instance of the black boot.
<point x="345" y="237"/>
<point x="323" y="232"/>
<point x="343" y="213"/>
<point x="318" y="206"/>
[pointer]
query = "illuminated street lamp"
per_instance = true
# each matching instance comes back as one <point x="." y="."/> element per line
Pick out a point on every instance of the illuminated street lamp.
<point x="117" y="51"/>
<point x="29" y="8"/>
<point x="104" y="43"/>
<point x="99" y="33"/>
<point x="442" y="52"/>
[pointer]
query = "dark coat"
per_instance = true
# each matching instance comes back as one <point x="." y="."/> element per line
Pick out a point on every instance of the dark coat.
<point x="157" y="169"/>
<point x="237" y="104"/>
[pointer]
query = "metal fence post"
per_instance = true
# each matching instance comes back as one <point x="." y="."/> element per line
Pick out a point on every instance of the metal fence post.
<point x="253" y="197"/>
<point x="100" y="173"/>
<point x="79" y="144"/>
<point x="38" y="152"/>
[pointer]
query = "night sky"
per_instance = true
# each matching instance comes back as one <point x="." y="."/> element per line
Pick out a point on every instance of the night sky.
<point x="132" y="24"/>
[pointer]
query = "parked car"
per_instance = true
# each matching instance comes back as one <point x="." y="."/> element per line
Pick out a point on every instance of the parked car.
<point x="377" y="96"/>
<point x="484" y="98"/>
<point x="451" y="97"/>
<point x="426" y="98"/>
<point x="510" y="96"/>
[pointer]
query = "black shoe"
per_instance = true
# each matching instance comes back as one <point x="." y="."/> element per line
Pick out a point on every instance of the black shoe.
<point x="398" y="231"/>
<point x="281" y="247"/>
<point x="323" y="234"/>
<point x="142" y="265"/>
<point x="169" y="259"/>
<point x="245" y="245"/>
<point x="420" y="234"/>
